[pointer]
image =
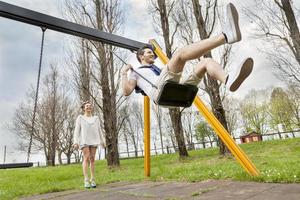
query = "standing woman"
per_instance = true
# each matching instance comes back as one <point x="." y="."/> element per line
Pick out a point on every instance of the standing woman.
<point x="88" y="137"/>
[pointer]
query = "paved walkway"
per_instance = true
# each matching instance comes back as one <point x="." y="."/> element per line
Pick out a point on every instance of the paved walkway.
<point x="208" y="190"/>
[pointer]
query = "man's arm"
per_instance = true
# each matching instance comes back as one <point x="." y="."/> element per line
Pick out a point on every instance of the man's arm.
<point x="77" y="133"/>
<point x="127" y="85"/>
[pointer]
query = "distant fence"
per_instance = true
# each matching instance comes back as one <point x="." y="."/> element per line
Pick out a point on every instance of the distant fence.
<point x="281" y="135"/>
<point x="173" y="149"/>
<point x="207" y="144"/>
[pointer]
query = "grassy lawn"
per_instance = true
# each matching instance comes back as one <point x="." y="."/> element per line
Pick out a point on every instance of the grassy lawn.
<point x="278" y="161"/>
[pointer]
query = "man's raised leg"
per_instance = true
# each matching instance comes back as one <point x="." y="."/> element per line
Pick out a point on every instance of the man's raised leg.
<point x="231" y="34"/>
<point x="207" y="65"/>
<point x="232" y="81"/>
<point x="194" y="51"/>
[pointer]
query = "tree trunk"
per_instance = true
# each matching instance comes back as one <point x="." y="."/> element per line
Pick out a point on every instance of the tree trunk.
<point x="77" y="158"/>
<point x="110" y="119"/>
<point x="109" y="108"/>
<point x="69" y="158"/>
<point x="155" y="150"/>
<point x="210" y="141"/>
<point x="51" y="158"/>
<point x="212" y="86"/>
<point x="293" y="27"/>
<point x="173" y="142"/>
<point x="84" y="72"/>
<point x="46" y="156"/>
<point x="127" y="146"/>
<point x="161" y="140"/>
<point x="135" y="148"/>
<point x="218" y="110"/>
<point x="108" y="94"/>
<point x="160" y="132"/>
<point x="175" y="113"/>
<point x="59" y="154"/>
<point x="109" y="114"/>
<point x="177" y="126"/>
<point x="133" y="140"/>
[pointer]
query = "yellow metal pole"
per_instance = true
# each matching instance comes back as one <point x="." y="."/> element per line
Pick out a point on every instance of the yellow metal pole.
<point x="216" y="125"/>
<point x="226" y="138"/>
<point x="147" y="136"/>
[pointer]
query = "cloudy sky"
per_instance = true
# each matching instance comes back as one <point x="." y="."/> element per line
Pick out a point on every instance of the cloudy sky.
<point x="20" y="48"/>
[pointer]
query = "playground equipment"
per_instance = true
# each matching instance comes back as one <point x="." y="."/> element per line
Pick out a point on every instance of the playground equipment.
<point x="49" y="22"/>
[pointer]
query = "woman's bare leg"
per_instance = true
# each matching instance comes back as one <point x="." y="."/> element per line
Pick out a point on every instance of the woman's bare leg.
<point x="85" y="162"/>
<point x="92" y="161"/>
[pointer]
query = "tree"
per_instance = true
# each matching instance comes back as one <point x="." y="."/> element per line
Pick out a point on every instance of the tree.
<point x="105" y="16"/>
<point x="22" y="122"/>
<point x="137" y="123"/>
<point x="50" y="120"/>
<point x="294" y="97"/>
<point x="162" y="11"/>
<point x="159" y="116"/>
<point x="132" y="126"/>
<point x="82" y="72"/>
<point x="232" y="114"/>
<point x="203" y="131"/>
<point x="125" y="135"/>
<point x="280" y="109"/>
<point x="65" y="138"/>
<point x="203" y="16"/>
<point x="169" y="131"/>
<point x="189" y="120"/>
<point x="254" y="111"/>
<point x="276" y="24"/>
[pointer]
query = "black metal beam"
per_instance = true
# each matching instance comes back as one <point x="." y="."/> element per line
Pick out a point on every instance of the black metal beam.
<point x="38" y="19"/>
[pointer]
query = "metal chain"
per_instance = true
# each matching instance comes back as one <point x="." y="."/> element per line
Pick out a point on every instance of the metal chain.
<point x="36" y="94"/>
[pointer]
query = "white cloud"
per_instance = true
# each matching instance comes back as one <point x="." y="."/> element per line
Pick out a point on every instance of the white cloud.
<point x="138" y="24"/>
<point x="46" y="6"/>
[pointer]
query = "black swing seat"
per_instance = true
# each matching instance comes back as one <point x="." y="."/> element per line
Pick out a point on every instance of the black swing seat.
<point x="176" y="95"/>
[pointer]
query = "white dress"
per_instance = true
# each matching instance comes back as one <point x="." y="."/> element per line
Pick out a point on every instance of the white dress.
<point x="88" y="131"/>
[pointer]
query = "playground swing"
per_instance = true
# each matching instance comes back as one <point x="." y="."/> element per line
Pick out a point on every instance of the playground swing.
<point x="172" y="94"/>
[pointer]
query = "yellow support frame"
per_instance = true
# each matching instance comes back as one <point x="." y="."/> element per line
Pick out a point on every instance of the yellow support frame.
<point x="147" y="136"/>
<point x="237" y="152"/>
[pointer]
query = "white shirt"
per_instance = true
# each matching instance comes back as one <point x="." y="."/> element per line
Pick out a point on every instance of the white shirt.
<point x="143" y="84"/>
<point x="87" y="131"/>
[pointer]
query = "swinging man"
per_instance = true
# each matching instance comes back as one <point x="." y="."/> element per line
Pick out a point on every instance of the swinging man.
<point x="173" y="70"/>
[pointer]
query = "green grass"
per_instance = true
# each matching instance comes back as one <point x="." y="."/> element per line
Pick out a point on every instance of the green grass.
<point x="278" y="161"/>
